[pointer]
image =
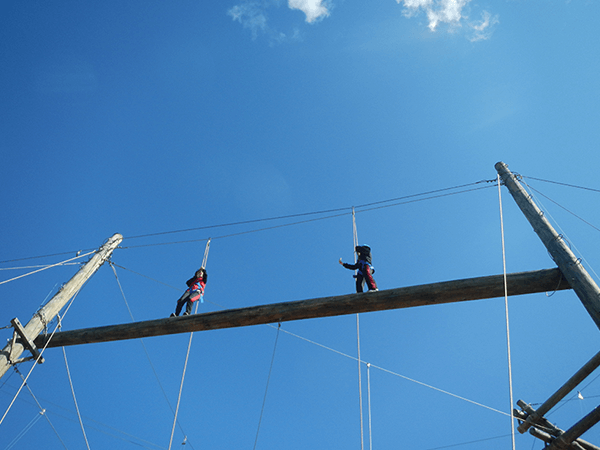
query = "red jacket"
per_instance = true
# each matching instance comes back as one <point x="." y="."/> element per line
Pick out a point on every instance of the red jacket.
<point x="196" y="287"/>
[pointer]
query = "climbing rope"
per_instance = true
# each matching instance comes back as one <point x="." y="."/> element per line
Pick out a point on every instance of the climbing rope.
<point x="75" y="399"/>
<point x="204" y="261"/>
<point x="112" y="265"/>
<point x="369" y="403"/>
<point x="360" y="404"/>
<point x="510" y="386"/>
<point x="262" y="409"/>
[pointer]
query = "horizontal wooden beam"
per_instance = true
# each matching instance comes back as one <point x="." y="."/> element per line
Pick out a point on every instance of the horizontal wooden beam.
<point x="406" y="297"/>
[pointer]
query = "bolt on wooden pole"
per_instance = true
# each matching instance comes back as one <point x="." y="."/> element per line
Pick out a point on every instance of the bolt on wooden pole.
<point x="579" y="279"/>
<point x="34" y="327"/>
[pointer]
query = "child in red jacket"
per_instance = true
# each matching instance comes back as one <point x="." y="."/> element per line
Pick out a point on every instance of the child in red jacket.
<point x="194" y="291"/>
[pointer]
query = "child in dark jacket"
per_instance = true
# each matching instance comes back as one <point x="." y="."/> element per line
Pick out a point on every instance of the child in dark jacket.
<point x="363" y="268"/>
<point x="194" y="291"/>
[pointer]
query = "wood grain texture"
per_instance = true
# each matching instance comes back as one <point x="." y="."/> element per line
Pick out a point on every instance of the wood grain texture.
<point x="406" y="297"/>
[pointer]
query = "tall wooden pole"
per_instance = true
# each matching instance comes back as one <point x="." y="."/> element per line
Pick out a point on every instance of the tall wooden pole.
<point x="406" y="297"/>
<point x="34" y="327"/>
<point x="581" y="282"/>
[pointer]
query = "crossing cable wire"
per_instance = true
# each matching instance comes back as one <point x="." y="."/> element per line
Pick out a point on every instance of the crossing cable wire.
<point x="6" y="380"/>
<point x="567" y="240"/>
<point x="512" y="422"/>
<point x="75" y="399"/>
<point x="24" y="431"/>
<point x="146" y="351"/>
<point x="373" y="208"/>
<point x="43" y="411"/>
<point x="40" y="354"/>
<point x="563" y="184"/>
<point x="245" y="222"/>
<point x="124" y="436"/>
<point x="262" y="409"/>
<point x="469" y="442"/>
<point x="404" y="377"/>
<point x="360" y="403"/>
<point x="567" y="210"/>
<point x="367" y="207"/>
<point x="145" y="276"/>
<point x="204" y="261"/>
<point x="45" y="266"/>
<point x="48" y="267"/>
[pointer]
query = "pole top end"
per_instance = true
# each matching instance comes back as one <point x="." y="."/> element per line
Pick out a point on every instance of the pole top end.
<point x="500" y="165"/>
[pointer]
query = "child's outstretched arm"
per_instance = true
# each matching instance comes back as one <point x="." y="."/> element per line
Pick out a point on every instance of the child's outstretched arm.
<point x="349" y="266"/>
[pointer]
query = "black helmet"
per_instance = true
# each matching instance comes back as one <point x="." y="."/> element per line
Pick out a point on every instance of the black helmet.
<point x="364" y="252"/>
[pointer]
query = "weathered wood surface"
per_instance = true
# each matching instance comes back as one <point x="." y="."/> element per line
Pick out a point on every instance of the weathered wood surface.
<point x="406" y="297"/>
<point x="579" y="279"/>
<point x="35" y="326"/>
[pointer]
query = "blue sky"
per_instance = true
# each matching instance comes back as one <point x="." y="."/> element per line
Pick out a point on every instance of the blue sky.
<point x="149" y="117"/>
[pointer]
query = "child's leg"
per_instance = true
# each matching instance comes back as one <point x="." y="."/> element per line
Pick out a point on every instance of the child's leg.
<point x="359" y="282"/>
<point x="188" y="307"/>
<point x="369" y="277"/>
<point x="178" y="307"/>
<point x="180" y="302"/>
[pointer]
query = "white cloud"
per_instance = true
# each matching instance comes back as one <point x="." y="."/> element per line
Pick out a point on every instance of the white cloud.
<point x="438" y="11"/>
<point x="314" y="9"/>
<point x="483" y="30"/>
<point x="251" y="15"/>
<point x="453" y="13"/>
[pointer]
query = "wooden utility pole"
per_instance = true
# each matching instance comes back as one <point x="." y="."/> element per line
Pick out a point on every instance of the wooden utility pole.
<point x="428" y="294"/>
<point x="24" y="336"/>
<point x="581" y="282"/>
<point x="534" y="416"/>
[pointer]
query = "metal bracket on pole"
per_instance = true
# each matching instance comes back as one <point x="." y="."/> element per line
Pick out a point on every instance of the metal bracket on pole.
<point x="551" y="434"/>
<point x="27" y="343"/>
